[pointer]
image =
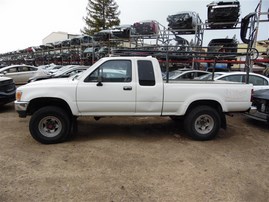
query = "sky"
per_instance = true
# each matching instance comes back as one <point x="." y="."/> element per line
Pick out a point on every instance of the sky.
<point x="25" y="23"/>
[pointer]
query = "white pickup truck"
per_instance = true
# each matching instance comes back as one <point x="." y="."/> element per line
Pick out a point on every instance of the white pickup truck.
<point x="128" y="86"/>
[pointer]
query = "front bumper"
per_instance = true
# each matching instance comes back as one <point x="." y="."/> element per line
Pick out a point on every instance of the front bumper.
<point x="21" y="108"/>
<point x="255" y="114"/>
<point x="7" y="97"/>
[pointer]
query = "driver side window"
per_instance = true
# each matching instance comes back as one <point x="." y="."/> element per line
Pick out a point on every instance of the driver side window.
<point x="112" y="71"/>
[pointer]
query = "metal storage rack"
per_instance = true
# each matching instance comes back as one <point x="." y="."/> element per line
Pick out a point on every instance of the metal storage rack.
<point x="162" y="44"/>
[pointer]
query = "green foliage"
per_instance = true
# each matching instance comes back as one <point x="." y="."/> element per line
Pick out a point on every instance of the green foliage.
<point x="101" y="14"/>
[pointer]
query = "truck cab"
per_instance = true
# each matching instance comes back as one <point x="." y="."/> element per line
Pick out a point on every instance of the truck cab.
<point x="121" y="86"/>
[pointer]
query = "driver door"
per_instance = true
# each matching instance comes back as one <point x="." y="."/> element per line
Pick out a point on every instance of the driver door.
<point x="108" y="90"/>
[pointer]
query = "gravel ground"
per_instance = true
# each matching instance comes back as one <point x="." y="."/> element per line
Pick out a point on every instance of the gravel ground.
<point x="134" y="159"/>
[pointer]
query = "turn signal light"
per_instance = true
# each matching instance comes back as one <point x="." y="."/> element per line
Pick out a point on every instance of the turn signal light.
<point x="18" y="95"/>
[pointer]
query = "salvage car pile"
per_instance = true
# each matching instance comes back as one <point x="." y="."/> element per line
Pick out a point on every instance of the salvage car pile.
<point x="87" y="49"/>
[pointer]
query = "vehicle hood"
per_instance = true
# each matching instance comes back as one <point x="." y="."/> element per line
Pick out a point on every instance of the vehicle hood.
<point x="50" y="83"/>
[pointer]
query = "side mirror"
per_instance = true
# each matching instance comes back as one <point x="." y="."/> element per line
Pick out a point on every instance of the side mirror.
<point x="99" y="81"/>
<point x="245" y="23"/>
<point x="5" y="72"/>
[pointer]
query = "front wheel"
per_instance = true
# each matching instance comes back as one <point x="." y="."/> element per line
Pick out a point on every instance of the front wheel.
<point x="50" y="125"/>
<point x="202" y="123"/>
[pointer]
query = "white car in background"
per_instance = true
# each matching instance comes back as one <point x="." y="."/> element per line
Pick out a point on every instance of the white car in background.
<point x="210" y="75"/>
<point x="19" y="73"/>
<point x="185" y="74"/>
<point x="64" y="72"/>
<point x="259" y="81"/>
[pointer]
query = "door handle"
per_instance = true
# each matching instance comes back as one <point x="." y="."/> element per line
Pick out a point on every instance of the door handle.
<point x="127" y="88"/>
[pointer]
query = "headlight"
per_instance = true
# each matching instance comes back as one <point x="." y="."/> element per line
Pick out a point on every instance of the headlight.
<point x="18" y="95"/>
<point x="263" y="108"/>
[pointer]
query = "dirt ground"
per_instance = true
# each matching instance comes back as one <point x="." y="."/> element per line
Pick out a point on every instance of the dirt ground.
<point x="134" y="159"/>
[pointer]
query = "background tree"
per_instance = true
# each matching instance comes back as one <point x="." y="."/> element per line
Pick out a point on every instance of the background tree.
<point x="101" y="14"/>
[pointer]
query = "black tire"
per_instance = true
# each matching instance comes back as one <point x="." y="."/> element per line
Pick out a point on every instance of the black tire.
<point x="202" y="123"/>
<point x="50" y="125"/>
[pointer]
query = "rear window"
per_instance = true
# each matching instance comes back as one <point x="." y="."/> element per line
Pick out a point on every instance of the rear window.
<point x="146" y="73"/>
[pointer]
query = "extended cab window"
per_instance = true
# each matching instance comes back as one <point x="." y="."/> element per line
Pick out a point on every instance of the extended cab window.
<point x="146" y="73"/>
<point x="112" y="71"/>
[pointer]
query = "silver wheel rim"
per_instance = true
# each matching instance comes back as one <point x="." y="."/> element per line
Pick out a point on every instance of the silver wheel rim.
<point x="204" y="124"/>
<point x="50" y="126"/>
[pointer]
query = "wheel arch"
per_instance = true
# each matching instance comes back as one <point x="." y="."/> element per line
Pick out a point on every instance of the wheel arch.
<point x="211" y="103"/>
<point x="38" y="103"/>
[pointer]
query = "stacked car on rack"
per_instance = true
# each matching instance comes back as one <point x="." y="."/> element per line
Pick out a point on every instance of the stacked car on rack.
<point x="223" y="14"/>
<point x="184" y="22"/>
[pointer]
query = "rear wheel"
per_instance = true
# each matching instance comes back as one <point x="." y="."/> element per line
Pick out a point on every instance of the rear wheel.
<point x="202" y="123"/>
<point x="50" y="125"/>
